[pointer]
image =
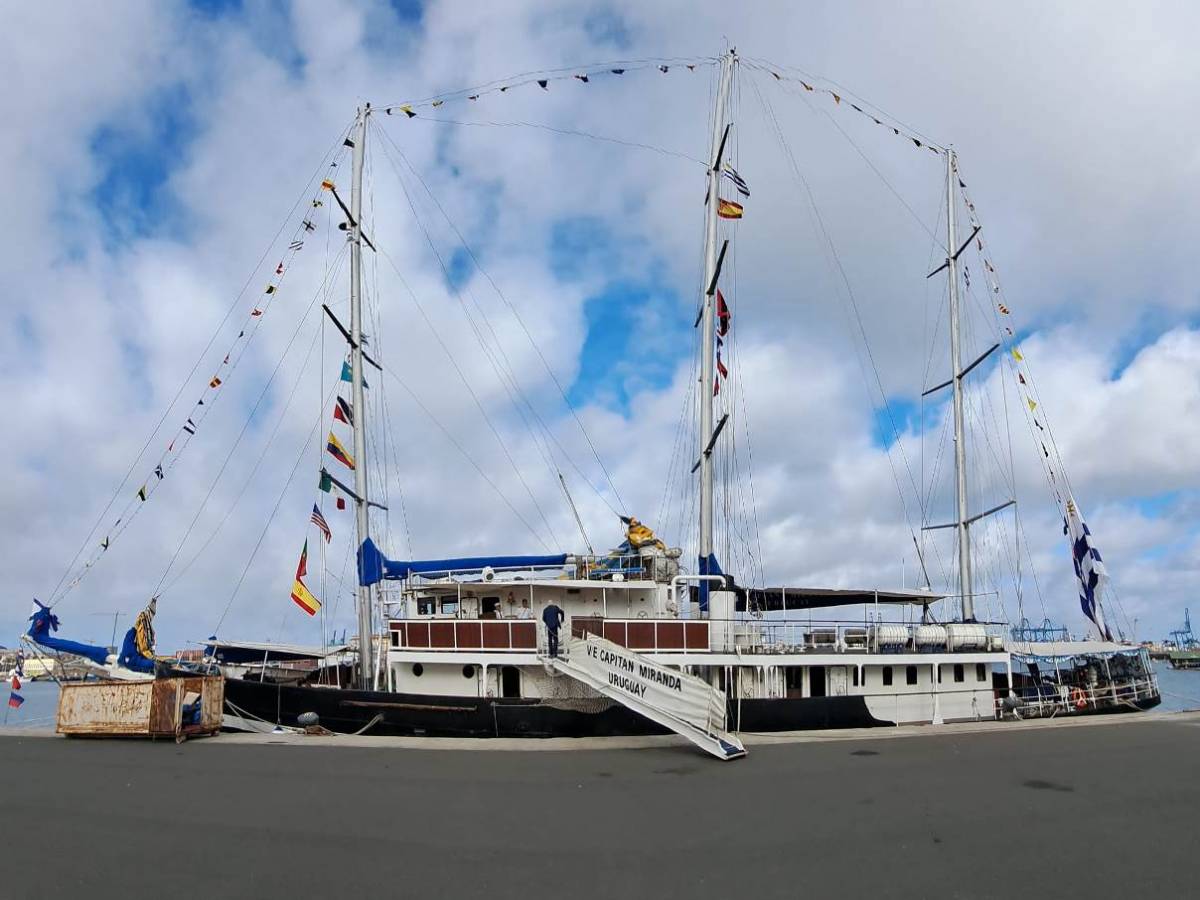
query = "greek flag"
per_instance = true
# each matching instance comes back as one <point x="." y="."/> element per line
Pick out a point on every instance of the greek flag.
<point x="1089" y="567"/>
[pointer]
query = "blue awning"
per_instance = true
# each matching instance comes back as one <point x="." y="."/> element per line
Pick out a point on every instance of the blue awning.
<point x="374" y="567"/>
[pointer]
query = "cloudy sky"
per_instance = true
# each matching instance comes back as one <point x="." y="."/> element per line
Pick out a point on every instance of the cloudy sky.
<point x="154" y="155"/>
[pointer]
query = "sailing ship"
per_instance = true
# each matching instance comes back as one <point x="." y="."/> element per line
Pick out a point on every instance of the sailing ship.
<point x="470" y="646"/>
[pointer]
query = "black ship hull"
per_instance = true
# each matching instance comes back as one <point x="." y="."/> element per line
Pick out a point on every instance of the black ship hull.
<point x="425" y="715"/>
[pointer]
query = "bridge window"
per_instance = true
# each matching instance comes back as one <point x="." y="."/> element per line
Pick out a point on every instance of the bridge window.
<point x="910" y="674"/>
<point x="959" y="675"/>
<point x="980" y="672"/>
<point x="887" y="676"/>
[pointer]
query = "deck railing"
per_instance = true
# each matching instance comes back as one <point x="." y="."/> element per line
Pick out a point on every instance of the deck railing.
<point x="1050" y="699"/>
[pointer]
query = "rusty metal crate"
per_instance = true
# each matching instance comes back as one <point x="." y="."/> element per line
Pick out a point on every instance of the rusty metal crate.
<point x="152" y="708"/>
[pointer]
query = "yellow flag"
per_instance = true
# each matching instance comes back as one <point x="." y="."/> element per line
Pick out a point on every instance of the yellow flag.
<point x="304" y="598"/>
<point x="1017" y="354"/>
<point x="1032" y="405"/>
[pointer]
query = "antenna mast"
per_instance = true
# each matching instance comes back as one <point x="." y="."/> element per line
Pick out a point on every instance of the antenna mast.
<point x="960" y="442"/>
<point x="366" y="631"/>
<point x="708" y="316"/>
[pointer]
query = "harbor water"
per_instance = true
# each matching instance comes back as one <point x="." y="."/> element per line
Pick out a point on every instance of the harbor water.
<point x="1180" y="691"/>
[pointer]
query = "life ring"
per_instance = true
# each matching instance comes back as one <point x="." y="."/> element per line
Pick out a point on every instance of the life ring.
<point x="1078" y="699"/>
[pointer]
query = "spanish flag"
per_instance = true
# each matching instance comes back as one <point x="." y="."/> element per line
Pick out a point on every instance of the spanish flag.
<point x="727" y="209"/>
<point x="338" y="452"/>
<point x="303" y="598"/>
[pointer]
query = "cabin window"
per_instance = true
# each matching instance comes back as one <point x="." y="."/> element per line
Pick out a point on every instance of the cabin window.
<point x="426" y="606"/>
<point x="854" y="669"/>
<point x="491" y="608"/>
<point x="395" y="638"/>
<point x="468" y="671"/>
<point x="816" y="681"/>
<point x="887" y="676"/>
<point x="959" y="675"/>
<point x="980" y="672"/>
<point x="910" y="674"/>
<point x="418" y="670"/>
<point x="450" y="607"/>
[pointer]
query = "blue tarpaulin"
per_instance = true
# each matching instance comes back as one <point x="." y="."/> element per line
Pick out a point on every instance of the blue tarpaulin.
<point x="43" y="622"/>
<point x="374" y="567"/>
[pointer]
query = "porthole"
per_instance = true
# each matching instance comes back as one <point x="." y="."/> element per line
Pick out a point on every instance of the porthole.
<point x="468" y="671"/>
<point x="418" y="670"/>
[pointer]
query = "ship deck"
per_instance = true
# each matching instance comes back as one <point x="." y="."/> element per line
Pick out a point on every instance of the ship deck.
<point x="982" y="810"/>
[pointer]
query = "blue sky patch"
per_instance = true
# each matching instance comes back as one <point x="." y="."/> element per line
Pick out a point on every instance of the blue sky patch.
<point x="132" y="195"/>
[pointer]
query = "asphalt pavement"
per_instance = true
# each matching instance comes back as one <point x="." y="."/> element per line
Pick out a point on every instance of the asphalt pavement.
<point x="1097" y="811"/>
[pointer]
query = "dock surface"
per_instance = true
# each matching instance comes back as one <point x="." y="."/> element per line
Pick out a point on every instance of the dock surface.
<point x="1069" y="810"/>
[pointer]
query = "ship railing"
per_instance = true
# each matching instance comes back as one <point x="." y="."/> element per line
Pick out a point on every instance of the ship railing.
<point x="590" y="567"/>
<point x="1049" y="699"/>
<point x="748" y="635"/>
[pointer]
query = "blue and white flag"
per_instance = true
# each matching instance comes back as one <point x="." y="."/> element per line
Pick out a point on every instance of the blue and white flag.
<point x="1089" y="567"/>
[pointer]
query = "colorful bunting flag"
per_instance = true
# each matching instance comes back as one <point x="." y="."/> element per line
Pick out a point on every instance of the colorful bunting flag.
<point x="1032" y="404"/>
<point x="189" y="427"/>
<point x="256" y="312"/>
<point x="346" y="372"/>
<point x="338" y="452"/>
<point x="1003" y="309"/>
<point x="738" y="181"/>
<point x="326" y="482"/>
<point x="216" y="382"/>
<point x="142" y="493"/>
<point x="279" y="269"/>
<point x="1017" y="354"/>
<point x="727" y="209"/>
<point x="304" y="598"/>
<point x="543" y="84"/>
<point x="724" y="316"/>
<point x="270" y="289"/>
<point x="15" y="700"/>
<point x="104" y="543"/>
<point x="16" y="682"/>
<point x="408" y="111"/>
<point x="158" y="471"/>
<point x="319" y="520"/>
<point x="302" y="566"/>
<point x="343" y="412"/>
<point x="308" y="226"/>
<point x="296" y="245"/>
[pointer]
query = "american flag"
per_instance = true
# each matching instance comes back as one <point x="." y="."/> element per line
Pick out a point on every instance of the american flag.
<point x="319" y="520"/>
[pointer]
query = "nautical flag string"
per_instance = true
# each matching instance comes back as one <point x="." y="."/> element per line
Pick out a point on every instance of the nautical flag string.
<point x="410" y="108"/>
<point x="203" y="405"/>
<point x="810" y="86"/>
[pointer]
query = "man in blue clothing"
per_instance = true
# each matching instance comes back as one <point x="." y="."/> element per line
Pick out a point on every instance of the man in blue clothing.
<point x="553" y="616"/>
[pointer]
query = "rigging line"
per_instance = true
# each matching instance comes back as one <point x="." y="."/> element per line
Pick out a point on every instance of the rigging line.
<point x="319" y="334"/>
<point x="449" y="356"/>
<point x="570" y="133"/>
<point x="332" y="151"/>
<point x="131" y="510"/>
<point x="849" y="93"/>
<point x="271" y="518"/>
<point x="838" y="125"/>
<point x="531" y="76"/>
<point x="528" y="336"/>
<point x="241" y="434"/>
<point x="450" y="437"/>
<point x="769" y="111"/>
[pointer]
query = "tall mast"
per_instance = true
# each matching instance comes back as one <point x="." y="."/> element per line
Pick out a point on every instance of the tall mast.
<point x="366" y="646"/>
<point x="960" y="441"/>
<point x="708" y="317"/>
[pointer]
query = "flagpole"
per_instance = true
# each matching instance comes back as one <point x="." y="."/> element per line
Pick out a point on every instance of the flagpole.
<point x="366" y="646"/>
<point x="707" y="334"/>
<point x="960" y="441"/>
